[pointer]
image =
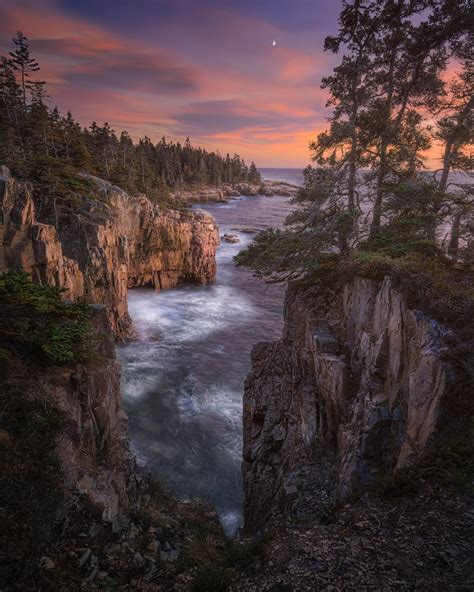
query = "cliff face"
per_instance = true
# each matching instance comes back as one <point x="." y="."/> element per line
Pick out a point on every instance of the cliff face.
<point x="65" y="462"/>
<point x="98" y="248"/>
<point x="92" y="446"/>
<point x="76" y="511"/>
<point x="346" y="396"/>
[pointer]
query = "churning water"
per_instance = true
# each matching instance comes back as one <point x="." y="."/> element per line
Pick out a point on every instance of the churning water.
<point x="183" y="379"/>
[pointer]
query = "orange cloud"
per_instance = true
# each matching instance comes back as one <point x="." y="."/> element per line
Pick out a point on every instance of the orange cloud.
<point x="248" y="97"/>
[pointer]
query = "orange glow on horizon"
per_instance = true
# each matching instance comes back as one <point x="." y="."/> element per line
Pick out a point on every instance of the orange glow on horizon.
<point x="266" y="109"/>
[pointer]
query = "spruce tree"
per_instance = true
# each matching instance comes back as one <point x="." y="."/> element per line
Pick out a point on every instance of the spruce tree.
<point x="23" y="63"/>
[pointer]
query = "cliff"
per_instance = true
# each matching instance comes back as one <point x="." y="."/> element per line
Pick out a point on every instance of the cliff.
<point x="64" y="440"/>
<point x="76" y="511"/>
<point x="91" y="443"/>
<point x="349" y="395"/>
<point x="100" y="245"/>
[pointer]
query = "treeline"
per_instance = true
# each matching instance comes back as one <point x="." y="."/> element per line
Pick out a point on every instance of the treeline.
<point x="392" y="100"/>
<point x="41" y="145"/>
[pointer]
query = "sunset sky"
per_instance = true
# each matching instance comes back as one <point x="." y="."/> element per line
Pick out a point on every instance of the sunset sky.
<point x="204" y="69"/>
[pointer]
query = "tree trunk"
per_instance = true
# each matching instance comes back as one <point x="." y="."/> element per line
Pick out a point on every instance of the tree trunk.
<point x="377" y="210"/>
<point x="449" y="150"/>
<point x="23" y="86"/>
<point x="453" y="247"/>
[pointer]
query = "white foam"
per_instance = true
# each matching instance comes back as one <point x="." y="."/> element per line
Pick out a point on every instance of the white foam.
<point x="231" y="521"/>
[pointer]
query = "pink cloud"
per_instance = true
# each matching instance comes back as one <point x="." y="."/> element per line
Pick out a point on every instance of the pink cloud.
<point x="100" y="75"/>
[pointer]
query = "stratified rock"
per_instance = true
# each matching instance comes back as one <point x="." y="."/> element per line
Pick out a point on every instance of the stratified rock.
<point x="347" y="395"/>
<point x="32" y="246"/>
<point x="97" y="249"/>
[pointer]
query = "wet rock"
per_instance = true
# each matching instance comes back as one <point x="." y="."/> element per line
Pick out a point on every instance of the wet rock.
<point x="230" y="238"/>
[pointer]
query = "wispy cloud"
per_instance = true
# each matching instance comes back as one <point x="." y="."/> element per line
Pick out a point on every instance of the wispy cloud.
<point x="179" y="68"/>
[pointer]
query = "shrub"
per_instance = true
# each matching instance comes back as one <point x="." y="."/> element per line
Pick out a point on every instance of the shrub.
<point x="35" y="321"/>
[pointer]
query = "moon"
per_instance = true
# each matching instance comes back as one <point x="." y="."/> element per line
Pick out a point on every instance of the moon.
<point x="274" y="43"/>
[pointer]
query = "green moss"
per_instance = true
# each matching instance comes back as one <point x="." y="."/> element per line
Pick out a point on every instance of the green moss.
<point x="35" y="321"/>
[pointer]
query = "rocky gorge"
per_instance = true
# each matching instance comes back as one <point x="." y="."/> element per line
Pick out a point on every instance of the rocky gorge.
<point x="351" y="400"/>
<point x="94" y="517"/>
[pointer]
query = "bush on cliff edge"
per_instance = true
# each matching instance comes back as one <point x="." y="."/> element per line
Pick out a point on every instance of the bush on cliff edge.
<point x="34" y="321"/>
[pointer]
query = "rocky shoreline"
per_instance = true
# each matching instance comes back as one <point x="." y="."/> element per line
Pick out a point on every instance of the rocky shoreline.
<point x="101" y="521"/>
<point x="226" y="192"/>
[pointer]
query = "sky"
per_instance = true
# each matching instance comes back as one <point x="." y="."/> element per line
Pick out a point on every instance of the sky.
<point x="206" y="69"/>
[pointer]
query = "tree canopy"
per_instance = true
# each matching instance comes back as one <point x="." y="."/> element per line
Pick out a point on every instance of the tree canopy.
<point x="367" y="189"/>
<point x="49" y="149"/>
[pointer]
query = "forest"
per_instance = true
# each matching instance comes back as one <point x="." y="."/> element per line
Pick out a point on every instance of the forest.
<point x="49" y="149"/>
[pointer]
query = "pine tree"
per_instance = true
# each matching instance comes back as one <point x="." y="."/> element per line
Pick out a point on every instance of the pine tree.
<point x="385" y="88"/>
<point x="41" y="145"/>
<point x="410" y="54"/>
<point x="456" y="131"/>
<point x="349" y="86"/>
<point x="253" y="175"/>
<point x="23" y="63"/>
<point x="10" y="97"/>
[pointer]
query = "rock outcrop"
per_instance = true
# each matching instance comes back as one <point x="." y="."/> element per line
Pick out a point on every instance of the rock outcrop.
<point x="226" y="191"/>
<point x="93" y="447"/>
<point x="98" y="248"/>
<point x="74" y="411"/>
<point x="346" y="396"/>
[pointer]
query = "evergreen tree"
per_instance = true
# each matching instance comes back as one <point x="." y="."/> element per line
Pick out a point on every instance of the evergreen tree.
<point x="456" y="131"/>
<point x="410" y="54"/>
<point x="41" y="145"/>
<point x="385" y="90"/>
<point x="253" y="175"/>
<point x="23" y="63"/>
